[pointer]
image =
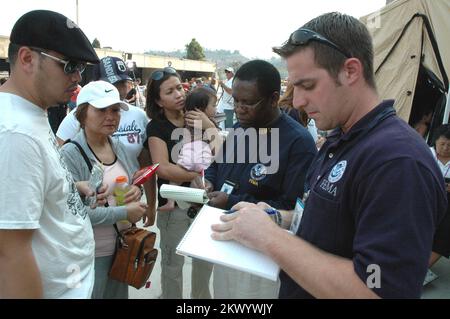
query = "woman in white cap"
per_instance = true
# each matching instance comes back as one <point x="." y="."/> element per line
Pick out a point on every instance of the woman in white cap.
<point x="98" y="111"/>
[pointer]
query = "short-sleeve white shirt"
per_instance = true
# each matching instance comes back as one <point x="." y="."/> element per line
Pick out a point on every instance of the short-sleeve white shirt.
<point x="38" y="192"/>
<point x="226" y="102"/>
<point x="445" y="169"/>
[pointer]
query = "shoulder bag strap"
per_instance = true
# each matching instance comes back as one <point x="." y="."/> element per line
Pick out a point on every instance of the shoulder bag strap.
<point x="83" y="153"/>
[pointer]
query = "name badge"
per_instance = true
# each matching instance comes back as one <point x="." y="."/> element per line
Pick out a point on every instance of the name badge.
<point x="297" y="216"/>
<point x="228" y="187"/>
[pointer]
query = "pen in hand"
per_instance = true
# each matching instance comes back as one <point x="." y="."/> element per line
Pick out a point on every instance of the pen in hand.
<point x="274" y="214"/>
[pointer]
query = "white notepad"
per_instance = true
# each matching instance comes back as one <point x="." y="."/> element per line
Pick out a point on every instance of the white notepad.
<point x="181" y="193"/>
<point x="197" y="242"/>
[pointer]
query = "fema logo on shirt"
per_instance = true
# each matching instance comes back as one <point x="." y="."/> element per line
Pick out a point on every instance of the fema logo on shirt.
<point x="337" y="172"/>
<point x="258" y="172"/>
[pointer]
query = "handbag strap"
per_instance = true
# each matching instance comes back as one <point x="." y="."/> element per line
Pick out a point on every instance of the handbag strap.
<point x="117" y="229"/>
<point x="83" y="153"/>
<point x="88" y="162"/>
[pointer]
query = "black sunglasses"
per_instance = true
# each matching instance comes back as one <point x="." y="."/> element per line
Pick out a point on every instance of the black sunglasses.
<point x="69" y="66"/>
<point x="303" y="36"/>
<point x="158" y="75"/>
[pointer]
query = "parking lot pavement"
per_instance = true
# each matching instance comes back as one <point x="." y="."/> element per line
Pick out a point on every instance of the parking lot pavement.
<point x="440" y="287"/>
<point x="155" y="278"/>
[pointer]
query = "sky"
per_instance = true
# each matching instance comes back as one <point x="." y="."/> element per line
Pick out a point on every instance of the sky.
<point x="249" y="26"/>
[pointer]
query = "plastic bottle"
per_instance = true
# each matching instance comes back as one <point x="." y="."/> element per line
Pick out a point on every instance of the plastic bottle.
<point x="120" y="190"/>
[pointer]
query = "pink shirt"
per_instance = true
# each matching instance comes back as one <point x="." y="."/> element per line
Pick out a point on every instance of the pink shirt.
<point x="195" y="156"/>
<point x="105" y="235"/>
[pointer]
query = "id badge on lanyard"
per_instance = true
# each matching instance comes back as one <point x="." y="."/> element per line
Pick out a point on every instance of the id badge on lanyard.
<point x="228" y="187"/>
<point x="297" y="216"/>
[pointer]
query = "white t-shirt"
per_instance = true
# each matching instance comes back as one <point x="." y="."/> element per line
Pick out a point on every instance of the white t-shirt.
<point x="226" y="102"/>
<point x="445" y="169"/>
<point x="131" y="132"/>
<point x="38" y="193"/>
<point x="69" y="127"/>
<point x="140" y="96"/>
<point x="312" y="129"/>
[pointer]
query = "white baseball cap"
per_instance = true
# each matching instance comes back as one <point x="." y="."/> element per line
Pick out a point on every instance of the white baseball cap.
<point x="229" y="69"/>
<point x="100" y="94"/>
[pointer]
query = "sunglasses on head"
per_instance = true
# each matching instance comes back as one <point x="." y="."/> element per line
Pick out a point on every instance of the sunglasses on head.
<point x="158" y="75"/>
<point x="69" y="66"/>
<point x="303" y="36"/>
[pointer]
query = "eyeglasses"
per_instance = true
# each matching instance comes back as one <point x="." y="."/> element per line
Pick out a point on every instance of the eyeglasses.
<point x="303" y="36"/>
<point x="247" y="106"/>
<point x="70" y="66"/>
<point x="158" y="75"/>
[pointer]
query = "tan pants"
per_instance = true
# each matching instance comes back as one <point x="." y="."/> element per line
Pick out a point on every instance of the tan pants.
<point x="234" y="284"/>
<point x="172" y="226"/>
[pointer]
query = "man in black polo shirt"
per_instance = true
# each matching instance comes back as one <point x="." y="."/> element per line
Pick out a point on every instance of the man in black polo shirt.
<point x="243" y="172"/>
<point x="376" y="194"/>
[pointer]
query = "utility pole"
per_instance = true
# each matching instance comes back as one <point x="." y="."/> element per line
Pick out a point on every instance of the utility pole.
<point x="78" y="24"/>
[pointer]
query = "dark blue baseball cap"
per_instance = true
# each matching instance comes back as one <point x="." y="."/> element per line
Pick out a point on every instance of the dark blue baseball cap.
<point x="112" y="69"/>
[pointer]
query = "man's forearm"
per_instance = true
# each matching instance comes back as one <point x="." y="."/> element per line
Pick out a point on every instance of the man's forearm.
<point x="321" y="274"/>
<point x="226" y="88"/>
<point x="19" y="277"/>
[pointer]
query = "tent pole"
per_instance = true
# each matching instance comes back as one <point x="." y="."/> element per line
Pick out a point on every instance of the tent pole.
<point x="447" y="107"/>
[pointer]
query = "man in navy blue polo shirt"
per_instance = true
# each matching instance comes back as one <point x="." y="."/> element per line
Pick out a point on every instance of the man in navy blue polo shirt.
<point x="376" y="194"/>
<point x="265" y="158"/>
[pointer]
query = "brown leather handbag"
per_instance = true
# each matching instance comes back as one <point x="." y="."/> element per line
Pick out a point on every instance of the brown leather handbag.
<point x="135" y="256"/>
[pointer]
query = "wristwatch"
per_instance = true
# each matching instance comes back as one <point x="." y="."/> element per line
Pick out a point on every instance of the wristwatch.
<point x="275" y="215"/>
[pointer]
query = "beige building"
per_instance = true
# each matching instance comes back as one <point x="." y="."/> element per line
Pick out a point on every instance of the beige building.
<point x="145" y="64"/>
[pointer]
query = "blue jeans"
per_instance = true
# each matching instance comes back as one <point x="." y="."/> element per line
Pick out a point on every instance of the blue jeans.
<point x="105" y="287"/>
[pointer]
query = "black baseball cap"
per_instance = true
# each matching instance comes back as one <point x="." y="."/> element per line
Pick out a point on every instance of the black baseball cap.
<point x="112" y="69"/>
<point x="53" y="31"/>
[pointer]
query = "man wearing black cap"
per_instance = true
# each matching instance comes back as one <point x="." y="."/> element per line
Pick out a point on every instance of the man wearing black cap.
<point x="46" y="240"/>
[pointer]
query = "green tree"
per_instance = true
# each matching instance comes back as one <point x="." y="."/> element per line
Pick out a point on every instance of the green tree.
<point x="96" y="43"/>
<point x="194" y="51"/>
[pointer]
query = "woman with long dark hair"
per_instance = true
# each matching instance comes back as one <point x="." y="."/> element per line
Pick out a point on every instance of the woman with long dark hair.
<point x="165" y="106"/>
<point x="198" y="151"/>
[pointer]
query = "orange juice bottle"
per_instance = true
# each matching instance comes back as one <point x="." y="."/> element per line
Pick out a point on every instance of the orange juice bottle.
<point x="120" y="190"/>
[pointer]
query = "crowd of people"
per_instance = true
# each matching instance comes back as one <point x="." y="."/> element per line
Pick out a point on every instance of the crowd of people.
<point x="373" y="215"/>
